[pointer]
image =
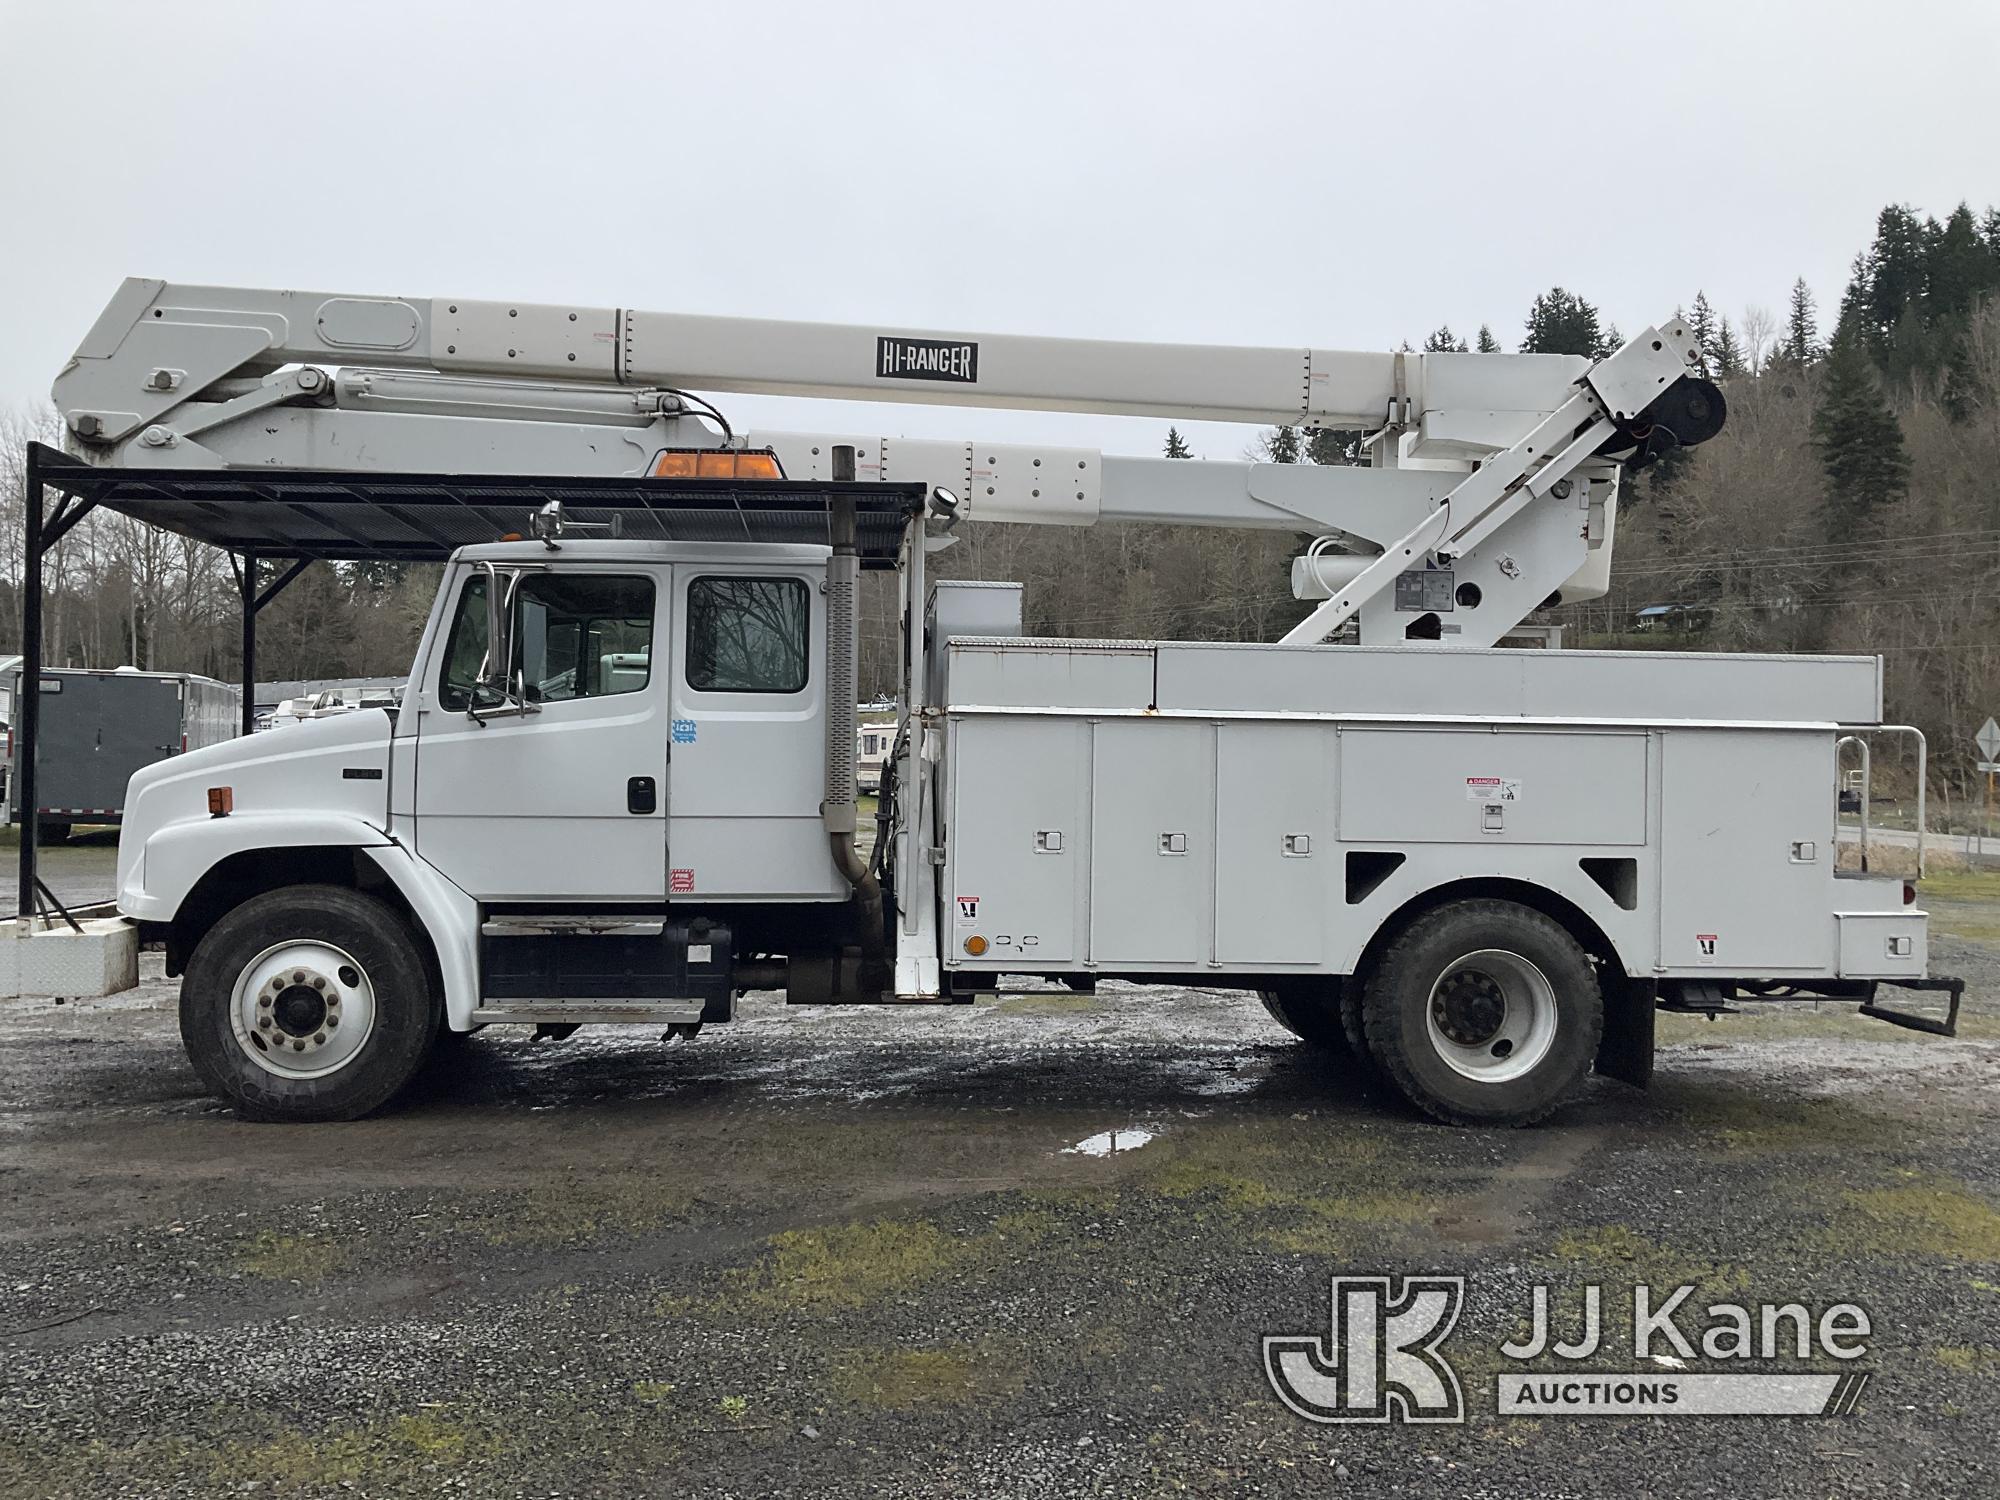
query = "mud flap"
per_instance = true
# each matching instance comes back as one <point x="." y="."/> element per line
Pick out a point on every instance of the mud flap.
<point x="1625" y="1051"/>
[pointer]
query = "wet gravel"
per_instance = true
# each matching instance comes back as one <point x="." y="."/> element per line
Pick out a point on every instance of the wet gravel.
<point x="1027" y="1248"/>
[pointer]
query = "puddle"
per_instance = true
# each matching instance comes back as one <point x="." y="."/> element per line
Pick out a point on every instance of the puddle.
<point x="1106" y="1142"/>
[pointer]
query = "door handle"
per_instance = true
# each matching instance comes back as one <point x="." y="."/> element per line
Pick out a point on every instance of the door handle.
<point x="642" y="794"/>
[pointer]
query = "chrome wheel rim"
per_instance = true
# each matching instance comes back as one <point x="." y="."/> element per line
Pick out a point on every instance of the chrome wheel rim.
<point x="1491" y="1016"/>
<point x="302" y="1009"/>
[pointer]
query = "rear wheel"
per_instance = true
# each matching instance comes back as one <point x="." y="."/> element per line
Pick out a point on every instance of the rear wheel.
<point x="1310" y="1011"/>
<point x="1484" y="1013"/>
<point x="307" y="1003"/>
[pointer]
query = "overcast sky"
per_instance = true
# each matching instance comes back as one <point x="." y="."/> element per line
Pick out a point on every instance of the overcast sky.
<point x="1332" y="174"/>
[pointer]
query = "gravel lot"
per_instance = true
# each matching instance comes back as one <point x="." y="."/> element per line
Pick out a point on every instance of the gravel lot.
<point x="847" y="1253"/>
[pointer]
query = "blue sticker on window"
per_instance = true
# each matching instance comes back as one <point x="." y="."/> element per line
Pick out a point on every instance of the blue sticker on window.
<point x="684" y="731"/>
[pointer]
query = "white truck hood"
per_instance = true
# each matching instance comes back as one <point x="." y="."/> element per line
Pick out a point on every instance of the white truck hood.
<point x="338" y="764"/>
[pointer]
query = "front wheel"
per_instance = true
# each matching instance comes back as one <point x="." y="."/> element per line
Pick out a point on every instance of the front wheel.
<point x="1484" y="1013"/>
<point x="307" y="1003"/>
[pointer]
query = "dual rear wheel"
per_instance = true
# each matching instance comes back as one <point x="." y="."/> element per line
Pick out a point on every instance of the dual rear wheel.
<point x="1481" y="1012"/>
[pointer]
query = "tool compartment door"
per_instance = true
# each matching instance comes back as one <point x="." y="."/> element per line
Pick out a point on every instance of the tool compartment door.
<point x="1738" y="896"/>
<point x="1273" y="792"/>
<point x="1019" y="837"/>
<point x="1152" y="842"/>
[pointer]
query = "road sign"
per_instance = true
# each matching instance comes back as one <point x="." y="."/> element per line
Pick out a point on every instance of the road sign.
<point x="1988" y="740"/>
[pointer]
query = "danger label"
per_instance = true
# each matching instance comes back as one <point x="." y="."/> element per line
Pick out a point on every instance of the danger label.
<point x="1704" y="943"/>
<point x="680" y="882"/>
<point x="968" y="909"/>
<point x="1492" y="789"/>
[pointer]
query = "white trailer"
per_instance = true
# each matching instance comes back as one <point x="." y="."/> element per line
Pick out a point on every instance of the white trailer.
<point x="620" y="786"/>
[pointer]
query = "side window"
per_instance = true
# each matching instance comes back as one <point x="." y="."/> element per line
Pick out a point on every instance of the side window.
<point x="576" y="636"/>
<point x="747" y="635"/>
<point x="465" y="649"/>
<point x="583" y="635"/>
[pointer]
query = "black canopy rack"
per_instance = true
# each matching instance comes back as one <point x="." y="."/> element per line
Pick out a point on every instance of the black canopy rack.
<point x="273" y="523"/>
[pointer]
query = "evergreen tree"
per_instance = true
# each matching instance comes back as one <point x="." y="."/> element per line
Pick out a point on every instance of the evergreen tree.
<point x="1859" y="442"/>
<point x="1177" y="445"/>
<point x="1611" y="342"/>
<point x="1702" y="321"/>
<point x="1898" y="272"/>
<point x="1561" y="322"/>
<point x="1801" y="345"/>
<point x="1851" y="327"/>
<point x="1281" y="445"/>
<point x="1728" y="361"/>
<point x="1487" y="344"/>
<point x="1443" y="342"/>
<point x="1962" y="269"/>
<point x="1960" y="391"/>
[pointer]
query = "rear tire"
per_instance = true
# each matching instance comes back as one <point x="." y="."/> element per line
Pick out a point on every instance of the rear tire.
<point x="1310" y="1011"/>
<point x="1484" y="1013"/>
<point x="307" y="1003"/>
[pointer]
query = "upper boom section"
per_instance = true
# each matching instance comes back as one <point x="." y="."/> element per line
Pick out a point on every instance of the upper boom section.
<point x="158" y="345"/>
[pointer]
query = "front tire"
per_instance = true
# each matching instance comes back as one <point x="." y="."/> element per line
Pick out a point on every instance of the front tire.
<point x="307" y="1003"/>
<point x="1484" y="1013"/>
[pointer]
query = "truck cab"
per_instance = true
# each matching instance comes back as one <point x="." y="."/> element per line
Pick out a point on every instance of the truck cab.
<point x="668" y="736"/>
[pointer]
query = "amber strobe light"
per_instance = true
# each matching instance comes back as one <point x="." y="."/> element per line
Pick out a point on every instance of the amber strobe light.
<point x="221" y="801"/>
<point x="717" y="463"/>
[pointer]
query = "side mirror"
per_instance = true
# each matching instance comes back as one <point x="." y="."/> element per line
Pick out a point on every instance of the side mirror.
<point x="496" y="671"/>
<point x="493" y="671"/>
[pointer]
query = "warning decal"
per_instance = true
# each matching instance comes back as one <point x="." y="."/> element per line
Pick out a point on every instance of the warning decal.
<point x="1705" y="941"/>
<point x="680" y="882"/>
<point x="1492" y="789"/>
<point x="968" y="909"/>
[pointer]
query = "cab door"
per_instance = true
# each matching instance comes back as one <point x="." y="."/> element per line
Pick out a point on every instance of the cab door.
<point x="565" y="802"/>
<point x="748" y="749"/>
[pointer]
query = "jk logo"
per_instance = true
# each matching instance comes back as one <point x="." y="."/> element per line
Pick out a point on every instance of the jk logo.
<point x="1381" y="1363"/>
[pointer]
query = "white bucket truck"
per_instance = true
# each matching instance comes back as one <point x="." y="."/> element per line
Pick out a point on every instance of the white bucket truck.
<point x="620" y="786"/>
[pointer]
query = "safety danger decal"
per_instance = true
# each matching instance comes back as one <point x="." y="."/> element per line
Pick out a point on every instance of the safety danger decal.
<point x="1492" y="789"/>
<point x="968" y="910"/>
<point x="1704" y="943"/>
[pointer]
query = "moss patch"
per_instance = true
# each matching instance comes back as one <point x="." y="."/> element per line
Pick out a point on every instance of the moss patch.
<point x="406" y="1449"/>
<point x="1734" y="1122"/>
<point x="902" y="1379"/>
<point x="1918" y="1216"/>
<point x="1298" y="1186"/>
<point x="292" y="1257"/>
<point x="1965" y="1359"/>
<point x="845" y="1266"/>
<point x="1617" y="1255"/>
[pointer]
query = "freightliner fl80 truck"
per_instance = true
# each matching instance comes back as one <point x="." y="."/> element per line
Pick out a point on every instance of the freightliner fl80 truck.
<point x="620" y="786"/>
